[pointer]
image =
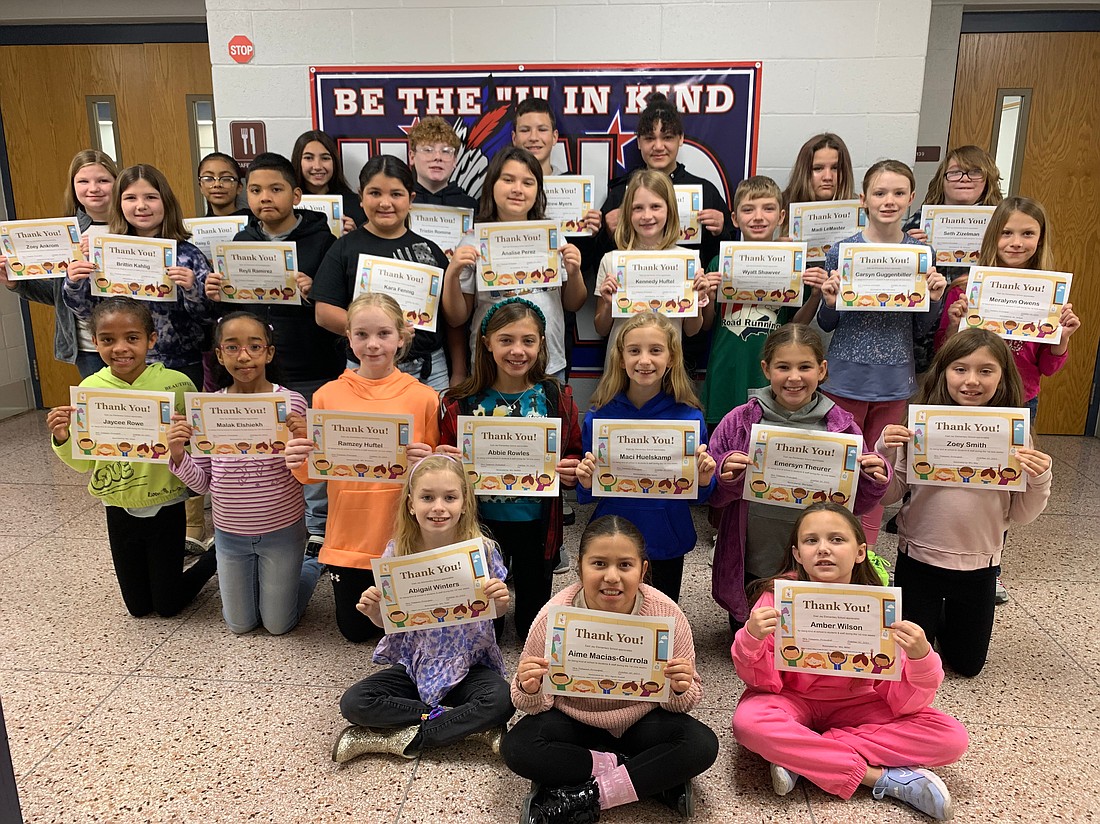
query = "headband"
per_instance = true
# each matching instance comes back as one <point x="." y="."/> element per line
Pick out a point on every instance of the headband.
<point x="493" y="309"/>
<point x="417" y="465"/>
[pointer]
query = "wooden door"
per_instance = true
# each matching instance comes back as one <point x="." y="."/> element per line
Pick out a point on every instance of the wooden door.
<point x="1061" y="169"/>
<point x="46" y="123"/>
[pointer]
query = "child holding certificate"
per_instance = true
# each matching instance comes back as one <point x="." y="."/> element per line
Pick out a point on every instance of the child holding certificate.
<point x="589" y="754"/>
<point x="841" y="733"/>
<point x="872" y="366"/>
<point x="220" y="180"/>
<point x="752" y="536"/>
<point x="316" y="159"/>
<point x="651" y="223"/>
<point x="950" y="539"/>
<point x="387" y="185"/>
<point x="509" y="380"/>
<point x="360" y="516"/>
<point x="822" y="171"/>
<point x="259" y="532"/>
<point x="143" y="205"/>
<point x="443" y="684"/>
<point x="143" y="502"/>
<point x="646" y="381"/>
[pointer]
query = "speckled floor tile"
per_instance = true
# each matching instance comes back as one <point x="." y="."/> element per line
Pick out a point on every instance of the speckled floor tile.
<point x="1052" y="548"/>
<point x="38" y="509"/>
<point x="1073" y="628"/>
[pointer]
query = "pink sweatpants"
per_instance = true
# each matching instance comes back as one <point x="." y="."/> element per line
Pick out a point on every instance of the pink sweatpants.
<point x="831" y="742"/>
<point x="871" y="418"/>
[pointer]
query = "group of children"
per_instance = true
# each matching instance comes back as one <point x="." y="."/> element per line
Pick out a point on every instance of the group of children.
<point x="766" y="366"/>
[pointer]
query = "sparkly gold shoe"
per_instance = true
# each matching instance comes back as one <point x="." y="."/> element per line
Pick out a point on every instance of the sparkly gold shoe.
<point x="356" y="741"/>
<point x="490" y="738"/>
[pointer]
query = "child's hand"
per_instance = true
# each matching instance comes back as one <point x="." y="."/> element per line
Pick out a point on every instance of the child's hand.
<point x="347" y="224"/>
<point x="702" y="286"/>
<point x="609" y="287"/>
<point x="712" y="220"/>
<point x="918" y="235"/>
<point x="1033" y="461"/>
<point x="296" y="452"/>
<point x="911" y="638"/>
<point x="530" y="672"/>
<point x="181" y="276"/>
<point x="58" y="419"/>
<point x="873" y="465"/>
<point x="593" y="220"/>
<point x="497" y="590"/>
<point x="734" y="464"/>
<point x="613" y="218"/>
<point x="704" y="464"/>
<point x="417" y="452"/>
<point x="586" y="469"/>
<point x="370" y="604"/>
<point x="79" y="270"/>
<point x="213" y="286"/>
<point x="831" y="288"/>
<point x="4" y="271"/>
<point x="680" y="673"/>
<point x="297" y="425"/>
<point x="1069" y="320"/>
<point x="714" y="281"/>
<point x="447" y="449"/>
<point x="571" y="259"/>
<point x="464" y="256"/>
<point x="815" y="277"/>
<point x="567" y="471"/>
<point x="762" y="622"/>
<point x="179" y="433"/>
<point x="84" y="244"/>
<point x="896" y="436"/>
<point x="305" y="283"/>
<point x="937" y="284"/>
<point x="957" y="311"/>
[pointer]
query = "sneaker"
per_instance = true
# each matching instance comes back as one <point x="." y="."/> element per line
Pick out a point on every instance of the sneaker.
<point x="713" y="547"/>
<point x="568" y="514"/>
<point x="1000" y="595"/>
<point x="313" y="545"/>
<point x="881" y="567"/>
<point x="563" y="562"/>
<point x="921" y="789"/>
<point x="196" y="546"/>
<point x="783" y="780"/>
<point x="680" y="798"/>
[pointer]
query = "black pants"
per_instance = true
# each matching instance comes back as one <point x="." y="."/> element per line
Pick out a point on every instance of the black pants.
<point x="389" y="699"/>
<point x="523" y="546"/>
<point x="148" y="558"/>
<point x="348" y="584"/>
<point x="663" y="749"/>
<point x="952" y="606"/>
<point x="667" y="576"/>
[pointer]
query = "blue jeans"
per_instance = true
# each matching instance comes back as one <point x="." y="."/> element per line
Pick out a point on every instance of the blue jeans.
<point x="88" y="363"/>
<point x="263" y="578"/>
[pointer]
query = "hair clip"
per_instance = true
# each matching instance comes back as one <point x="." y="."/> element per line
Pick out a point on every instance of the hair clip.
<point x="493" y="309"/>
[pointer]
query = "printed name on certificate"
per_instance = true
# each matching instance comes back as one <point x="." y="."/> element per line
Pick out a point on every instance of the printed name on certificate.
<point x="1017" y="304"/>
<point x="799" y="467"/>
<point x="359" y="446"/>
<point x="645" y="459"/>
<point x="762" y="273"/>
<point x="511" y="456"/>
<point x="967" y="445"/>
<point x="120" y="424"/>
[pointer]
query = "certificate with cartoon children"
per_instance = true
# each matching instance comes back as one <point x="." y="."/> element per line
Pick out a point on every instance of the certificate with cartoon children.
<point x="823" y="224"/>
<point x="645" y="459"/>
<point x="438" y="588"/>
<point x="207" y="233"/>
<point x="331" y="206"/>
<point x="133" y="266"/>
<point x="689" y="202"/>
<point x="519" y="255"/>
<point x="596" y="654"/>
<point x="1017" y="304"/>
<point x="120" y="424"/>
<point x="415" y="287"/>
<point x="657" y="281"/>
<point x="956" y="232"/>
<point x="237" y="426"/>
<point x="359" y="446"/>
<point x="443" y="225"/>
<point x="883" y="277"/>
<point x="568" y="201"/>
<point x="973" y="446"/>
<point x="258" y="272"/>
<point x="798" y="467"/>
<point x="38" y="249"/>
<point x="511" y="456"/>
<point x="762" y="273"/>
<point x="837" y="629"/>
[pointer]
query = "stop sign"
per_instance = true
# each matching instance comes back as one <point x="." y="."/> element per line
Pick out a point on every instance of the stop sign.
<point x="241" y="48"/>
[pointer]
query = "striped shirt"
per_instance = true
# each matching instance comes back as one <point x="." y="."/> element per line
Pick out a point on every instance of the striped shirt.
<point x="250" y="496"/>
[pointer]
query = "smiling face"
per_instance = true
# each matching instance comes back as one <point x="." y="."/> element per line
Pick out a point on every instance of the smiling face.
<point x="648" y="216"/>
<point x="535" y="133"/>
<point x="758" y="217"/>
<point x="827" y="548"/>
<point x="248" y="364"/>
<point x="318" y="167"/>
<point x="272" y="198"/>
<point x="611" y="569"/>
<point x="794" y="374"/>
<point x="436" y="502"/>
<point x="222" y="191"/>
<point x="646" y="356"/>
<point x="660" y="149"/>
<point x="143" y="208"/>
<point x="887" y="198"/>
<point x="92" y="185"/>
<point x="515" y="191"/>
<point x="515" y="347"/>
<point x="374" y="339"/>
<point x="386" y="202"/>
<point x="824" y="173"/>
<point x="122" y="342"/>
<point x="973" y="380"/>
<point x="1018" y="241"/>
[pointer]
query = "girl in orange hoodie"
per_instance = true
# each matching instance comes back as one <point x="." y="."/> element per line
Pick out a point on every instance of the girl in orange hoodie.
<point x="361" y="513"/>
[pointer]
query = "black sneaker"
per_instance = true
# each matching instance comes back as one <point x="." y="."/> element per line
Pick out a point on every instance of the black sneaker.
<point x="313" y="545"/>
<point x="564" y="805"/>
<point x="680" y="798"/>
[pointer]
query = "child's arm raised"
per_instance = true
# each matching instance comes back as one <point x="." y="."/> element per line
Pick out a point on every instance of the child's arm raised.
<point x="754" y="646"/>
<point x="892" y="445"/>
<point x="921" y="672"/>
<point x="58" y="420"/>
<point x="458" y="305"/>
<point x="194" y="472"/>
<point x="1028" y="504"/>
<point x="1070" y="324"/>
<point x="693" y="325"/>
<point x="570" y="437"/>
<point x="574" y="292"/>
<point x="815" y="278"/>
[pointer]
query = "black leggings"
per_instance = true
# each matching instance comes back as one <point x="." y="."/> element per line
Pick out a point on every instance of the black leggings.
<point x="667" y="576"/>
<point x="951" y="605"/>
<point x="348" y="584"/>
<point x="523" y="548"/>
<point x="663" y="749"/>
<point x="148" y="559"/>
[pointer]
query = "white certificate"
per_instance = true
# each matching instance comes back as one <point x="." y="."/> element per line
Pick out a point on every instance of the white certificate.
<point x="689" y="202"/>
<point x="443" y="225"/>
<point x="120" y="424"/>
<point x="237" y="426"/>
<point x="258" y="272"/>
<point x="38" y="249"/>
<point x="568" y="200"/>
<point x="967" y="445"/>
<point x="823" y="224"/>
<point x="762" y="273"/>
<point x="659" y="281"/>
<point x="956" y="232"/>
<point x="359" y="446"/>
<point x="522" y="254"/>
<point x="883" y="277"/>
<point x="331" y="206"/>
<point x="209" y="232"/>
<point x="645" y="459"/>
<point x="1017" y="304"/>
<point x="415" y="287"/>
<point x="511" y="456"/>
<point x="798" y="467"/>
<point x="133" y="266"/>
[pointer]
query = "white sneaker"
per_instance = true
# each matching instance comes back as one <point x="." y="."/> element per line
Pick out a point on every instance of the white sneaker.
<point x="783" y="780"/>
<point x="1000" y="595"/>
<point x="710" y="552"/>
<point x="921" y="789"/>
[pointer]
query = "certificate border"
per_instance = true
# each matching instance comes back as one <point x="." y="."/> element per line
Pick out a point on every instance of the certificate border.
<point x="791" y="296"/>
<point x="99" y="256"/>
<point x="799" y="210"/>
<point x="690" y="230"/>
<point x="466" y="213"/>
<point x="952" y="476"/>
<point x="1029" y="330"/>
<point x="660" y="488"/>
<point x="521" y="486"/>
<point x="781" y="495"/>
<point x="431" y="307"/>
<point x="158" y="450"/>
<point x="393" y="474"/>
<point x="690" y="256"/>
<point x="484" y="234"/>
<point x="928" y="219"/>
<point x="569" y="228"/>
<point x="334" y="214"/>
<point x="290" y="281"/>
<point x="194" y="403"/>
<point x="867" y="303"/>
<point x="57" y="268"/>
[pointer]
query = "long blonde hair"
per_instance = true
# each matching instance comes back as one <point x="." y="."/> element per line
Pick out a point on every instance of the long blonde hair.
<point x="659" y="184"/>
<point x="675" y="383"/>
<point x="392" y="308"/>
<point x="406" y="530"/>
<point x="1044" y="255"/>
<point x="967" y="157"/>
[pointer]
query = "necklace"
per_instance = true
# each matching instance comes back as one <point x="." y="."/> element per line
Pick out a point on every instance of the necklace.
<point x="512" y="406"/>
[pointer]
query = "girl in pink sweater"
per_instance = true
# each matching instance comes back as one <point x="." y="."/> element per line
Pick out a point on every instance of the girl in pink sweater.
<point x="571" y="747"/>
<point x="843" y="732"/>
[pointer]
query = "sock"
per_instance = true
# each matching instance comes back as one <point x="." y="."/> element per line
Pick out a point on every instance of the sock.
<point x="603" y="762"/>
<point x="616" y="788"/>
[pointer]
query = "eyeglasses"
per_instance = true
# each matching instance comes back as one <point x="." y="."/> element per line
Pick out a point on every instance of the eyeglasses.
<point x="254" y="349"/>
<point x="955" y="175"/>
<point x="430" y="151"/>
<point x="227" y="180"/>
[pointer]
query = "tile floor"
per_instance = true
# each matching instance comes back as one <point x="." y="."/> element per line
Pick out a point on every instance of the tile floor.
<point x="114" y="719"/>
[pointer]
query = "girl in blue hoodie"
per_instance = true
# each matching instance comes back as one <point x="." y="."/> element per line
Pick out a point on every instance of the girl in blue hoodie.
<point x="646" y="381"/>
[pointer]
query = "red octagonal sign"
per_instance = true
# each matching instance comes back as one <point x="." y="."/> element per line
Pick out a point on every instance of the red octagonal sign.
<point x="241" y="48"/>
